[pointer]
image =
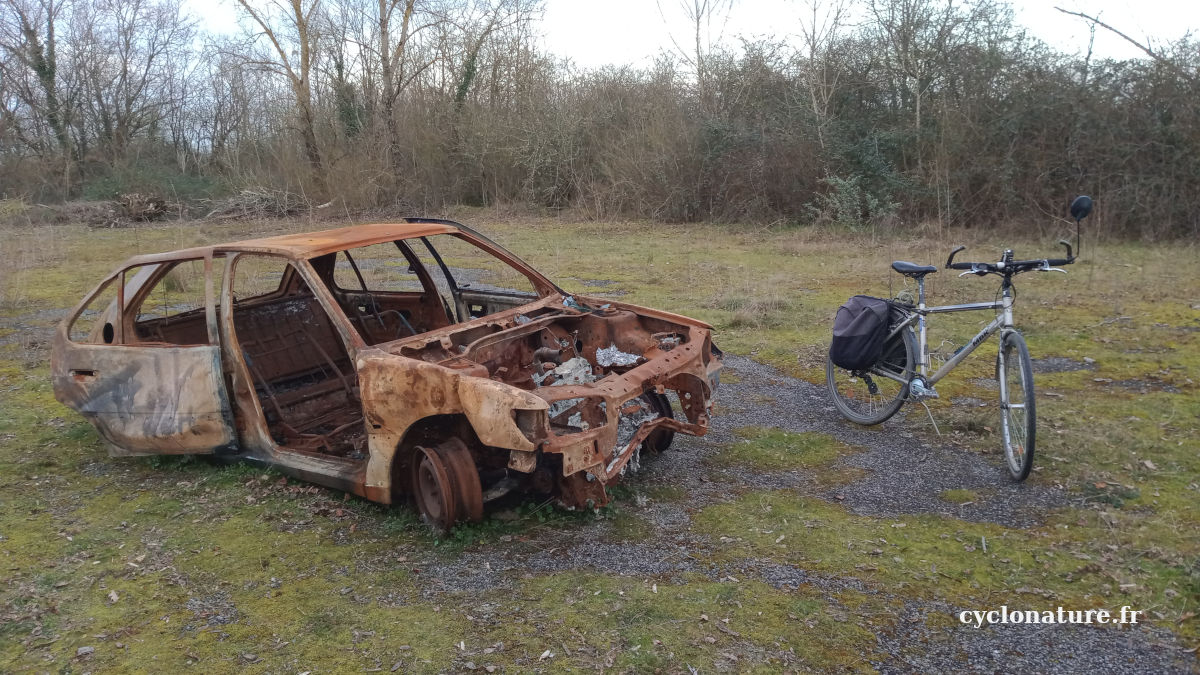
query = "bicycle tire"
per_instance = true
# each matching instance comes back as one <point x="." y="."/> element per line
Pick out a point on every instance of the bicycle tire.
<point x="851" y="393"/>
<point x="1018" y="425"/>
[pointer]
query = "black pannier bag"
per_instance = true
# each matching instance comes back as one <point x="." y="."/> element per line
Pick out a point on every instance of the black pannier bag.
<point x="858" y="332"/>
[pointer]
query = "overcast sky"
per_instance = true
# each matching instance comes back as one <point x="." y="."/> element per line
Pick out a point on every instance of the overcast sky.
<point x="599" y="32"/>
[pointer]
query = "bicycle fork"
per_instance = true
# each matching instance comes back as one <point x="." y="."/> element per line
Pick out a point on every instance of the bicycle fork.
<point x="1001" y="366"/>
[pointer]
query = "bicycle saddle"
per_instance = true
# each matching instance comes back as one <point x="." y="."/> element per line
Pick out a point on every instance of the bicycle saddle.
<point x="912" y="269"/>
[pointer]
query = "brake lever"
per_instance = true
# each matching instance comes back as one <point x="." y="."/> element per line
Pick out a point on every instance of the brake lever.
<point x="1047" y="268"/>
<point x="976" y="270"/>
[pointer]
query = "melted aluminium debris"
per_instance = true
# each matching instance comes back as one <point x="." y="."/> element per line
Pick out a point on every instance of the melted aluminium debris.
<point x="573" y="371"/>
<point x="611" y="356"/>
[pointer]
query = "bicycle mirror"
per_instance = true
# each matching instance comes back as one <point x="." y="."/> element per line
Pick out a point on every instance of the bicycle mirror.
<point x="1081" y="207"/>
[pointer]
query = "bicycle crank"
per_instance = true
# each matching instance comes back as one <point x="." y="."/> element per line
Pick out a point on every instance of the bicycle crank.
<point x="919" y="391"/>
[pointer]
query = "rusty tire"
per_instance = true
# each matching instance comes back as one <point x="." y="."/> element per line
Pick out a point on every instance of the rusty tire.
<point x="461" y="466"/>
<point x="659" y="439"/>
<point x="434" y="490"/>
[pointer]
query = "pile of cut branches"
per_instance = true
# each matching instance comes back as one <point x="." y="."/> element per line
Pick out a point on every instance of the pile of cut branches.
<point x="257" y="203"/>
<point x="138" y="207"/>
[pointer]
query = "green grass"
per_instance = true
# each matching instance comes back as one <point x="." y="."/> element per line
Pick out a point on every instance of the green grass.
<point x="1076" y="559"/>
<point x="776" y="450"/>
<point x="959" y="496"/>
<point x="232" y="568"/>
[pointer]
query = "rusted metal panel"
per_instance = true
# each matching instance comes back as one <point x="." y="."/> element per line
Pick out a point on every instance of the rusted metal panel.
<point x="311" y="244"/>
<point x="562" y="392"/>
<point x="162" y="400"/>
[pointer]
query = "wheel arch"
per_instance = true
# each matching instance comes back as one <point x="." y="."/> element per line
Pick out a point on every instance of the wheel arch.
<point x="427" y="431"/>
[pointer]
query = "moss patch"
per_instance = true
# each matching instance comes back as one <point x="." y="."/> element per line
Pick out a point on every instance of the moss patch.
<point x="777" y="450"/>
<point x="1077" y="559"/>
<point x="959" y="496"/>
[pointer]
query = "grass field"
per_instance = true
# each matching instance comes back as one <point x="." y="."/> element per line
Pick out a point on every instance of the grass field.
<point x="168" y="564"/>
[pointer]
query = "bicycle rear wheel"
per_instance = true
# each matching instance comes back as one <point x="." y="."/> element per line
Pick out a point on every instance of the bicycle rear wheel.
<point x="870" y="397"/>
<point x="1018" y="410"/>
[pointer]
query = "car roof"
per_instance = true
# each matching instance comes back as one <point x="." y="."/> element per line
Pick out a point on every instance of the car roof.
<point x="311" y="244"/>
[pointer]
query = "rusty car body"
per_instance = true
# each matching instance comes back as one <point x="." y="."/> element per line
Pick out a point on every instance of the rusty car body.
<point x="370" y="360"/>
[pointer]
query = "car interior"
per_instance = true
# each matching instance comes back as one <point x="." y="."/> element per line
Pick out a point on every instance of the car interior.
<point x="299" y="363"/>
<point x="301" y="370"/>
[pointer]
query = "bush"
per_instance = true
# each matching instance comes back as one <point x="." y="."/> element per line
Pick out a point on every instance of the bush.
<point x="848" y="204"/>
<point x="166" y="182"/>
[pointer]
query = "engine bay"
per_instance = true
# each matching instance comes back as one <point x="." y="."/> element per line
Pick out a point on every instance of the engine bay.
<point x="549" y="347"/>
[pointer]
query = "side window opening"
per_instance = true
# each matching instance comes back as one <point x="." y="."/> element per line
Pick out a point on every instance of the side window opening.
<point x="382" y="266"/>
<point x="258" y="276"/>
<point x="384" y="291"/>
<point x="297" y="360"/>
<point x="96" y="322"/>
<point x="479" y="283"/>
<point x="174" y="311"/>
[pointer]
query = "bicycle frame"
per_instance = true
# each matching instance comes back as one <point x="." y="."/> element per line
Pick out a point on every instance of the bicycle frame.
<point x="1002" y="323"/>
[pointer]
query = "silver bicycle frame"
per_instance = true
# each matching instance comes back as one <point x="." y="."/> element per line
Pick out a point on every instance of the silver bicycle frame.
<point x="1003" y="323"/>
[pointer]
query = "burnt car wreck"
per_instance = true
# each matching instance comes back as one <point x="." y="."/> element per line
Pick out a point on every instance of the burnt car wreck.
<point x="414" y="359"/>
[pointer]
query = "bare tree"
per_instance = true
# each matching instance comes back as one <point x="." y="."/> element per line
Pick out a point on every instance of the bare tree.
<point x="291" y="52"/>
<point x="820" y="31"/>
<point x="387" y="36"/>
<point x="126" y="53"/>
<point x="483" y="20"/>
<point x="922" y="39"/>
<point x="29" y="42"/>
<point x="700" y="15"/>
<point x="1156" y="54"/>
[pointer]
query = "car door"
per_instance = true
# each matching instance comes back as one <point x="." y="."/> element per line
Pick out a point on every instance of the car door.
<point x="148" y="374"/>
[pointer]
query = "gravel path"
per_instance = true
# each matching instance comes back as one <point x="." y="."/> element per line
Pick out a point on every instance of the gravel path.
<point x="903" y="475"/>
<point x="906" y="475"/>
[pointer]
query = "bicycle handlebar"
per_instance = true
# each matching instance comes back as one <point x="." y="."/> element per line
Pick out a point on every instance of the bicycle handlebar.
<point x="1008" y="266"/>
<point x="950" y="260"/>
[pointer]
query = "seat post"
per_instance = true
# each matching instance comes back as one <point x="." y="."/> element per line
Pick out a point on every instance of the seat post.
<point x="921" y="363"/>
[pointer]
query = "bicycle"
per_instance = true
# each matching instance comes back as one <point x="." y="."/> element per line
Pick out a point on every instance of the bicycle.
<point x="873" y="395"/>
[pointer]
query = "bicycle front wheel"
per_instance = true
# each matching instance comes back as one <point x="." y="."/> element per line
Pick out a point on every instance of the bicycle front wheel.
<point x="1018" y="411"/>
<point x="871" y="397"/>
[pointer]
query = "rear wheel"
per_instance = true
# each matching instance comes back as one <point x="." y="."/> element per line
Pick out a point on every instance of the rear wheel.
<point x="445" y="484"/>
<point x="1018" y="412"/>
<point x="870" y="397"/>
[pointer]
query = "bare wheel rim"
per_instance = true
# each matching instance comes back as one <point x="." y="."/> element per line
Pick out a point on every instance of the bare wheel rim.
<point x="1017" y="415"/>
<point x="434" y="490"/>
<point x="872" y="397"/>
<point x="460" y="465"/>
